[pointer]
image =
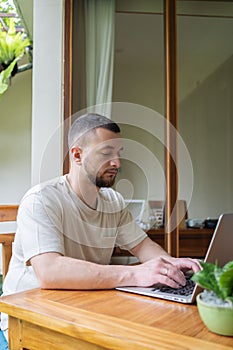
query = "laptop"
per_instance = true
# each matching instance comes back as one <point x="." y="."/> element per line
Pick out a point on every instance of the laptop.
<point x="220" y="250"/>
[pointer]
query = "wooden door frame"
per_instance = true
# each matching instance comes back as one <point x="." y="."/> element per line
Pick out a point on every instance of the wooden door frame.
<point x="171" y="125"/>
<point x="172" y="235"/>
<point x="67" y="112"/>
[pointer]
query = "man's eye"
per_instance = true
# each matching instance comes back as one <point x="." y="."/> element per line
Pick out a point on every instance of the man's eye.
<point x="106" y="154"/>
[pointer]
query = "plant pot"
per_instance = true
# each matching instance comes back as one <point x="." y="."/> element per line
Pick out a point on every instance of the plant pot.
<point x="218" y="318"/>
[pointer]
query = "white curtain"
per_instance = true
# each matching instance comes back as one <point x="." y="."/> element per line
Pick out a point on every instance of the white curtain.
<point x="99" y="27"/>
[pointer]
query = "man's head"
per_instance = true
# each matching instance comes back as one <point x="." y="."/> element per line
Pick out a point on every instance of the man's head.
<point x="86" y="124"/>
<point x="95" y="145"/>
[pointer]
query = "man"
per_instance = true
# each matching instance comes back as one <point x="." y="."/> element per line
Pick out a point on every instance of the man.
<point x="67" y="228"/>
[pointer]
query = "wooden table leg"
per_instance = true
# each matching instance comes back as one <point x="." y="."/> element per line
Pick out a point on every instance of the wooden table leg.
<point x="15" y="334"/>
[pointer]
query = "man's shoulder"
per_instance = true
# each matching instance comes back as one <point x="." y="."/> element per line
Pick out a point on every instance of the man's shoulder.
<point x="45" y="188"/>
<point x="44" y="197"/>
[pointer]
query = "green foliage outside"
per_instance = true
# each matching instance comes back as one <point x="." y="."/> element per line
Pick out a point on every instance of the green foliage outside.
<point x="7" y="6"/>
<point x="13" y="45"/>
<point x="4" y="76"/>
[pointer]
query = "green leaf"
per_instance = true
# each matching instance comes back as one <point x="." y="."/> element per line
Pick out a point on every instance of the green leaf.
<point x="205" y="277"/>
<point x="12" y="44"/>
<point x="3" y="86"/>
<point x="217" y="273"/>
<point x="11" y="30"/>
<point x="226" y="283"/>
<point x="4" y="75"/>
<point x="219" y="280"/>
<point x="230" y="299"/>
<point x="228" y="266"/>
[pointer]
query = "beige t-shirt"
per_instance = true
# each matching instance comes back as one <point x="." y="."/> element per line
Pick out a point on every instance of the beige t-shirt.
<point x="52" y="218"/>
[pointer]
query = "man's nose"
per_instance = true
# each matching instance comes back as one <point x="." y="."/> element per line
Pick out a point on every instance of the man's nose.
<point x="115" y="162"/>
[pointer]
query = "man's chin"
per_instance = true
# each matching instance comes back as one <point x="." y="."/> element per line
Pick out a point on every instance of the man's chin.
<point x="105" y="183"/>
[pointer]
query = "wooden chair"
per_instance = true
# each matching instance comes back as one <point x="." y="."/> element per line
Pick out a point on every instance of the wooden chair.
<point x="7" y="213"/>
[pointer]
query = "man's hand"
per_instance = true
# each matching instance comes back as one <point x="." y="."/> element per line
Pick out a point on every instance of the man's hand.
<point x="165" y="270"/>
<point x="186" y="264"/>
<point x="162" y="269"/>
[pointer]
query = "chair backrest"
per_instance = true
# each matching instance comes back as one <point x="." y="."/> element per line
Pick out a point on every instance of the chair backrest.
<point x="7" y="213"/>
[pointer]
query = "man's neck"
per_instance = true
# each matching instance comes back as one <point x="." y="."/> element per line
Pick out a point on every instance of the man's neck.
<point x="84" y="189"/>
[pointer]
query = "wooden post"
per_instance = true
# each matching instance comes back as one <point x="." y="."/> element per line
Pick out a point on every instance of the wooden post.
<point x="67" y="81"/>
<point x="171" y="190"/>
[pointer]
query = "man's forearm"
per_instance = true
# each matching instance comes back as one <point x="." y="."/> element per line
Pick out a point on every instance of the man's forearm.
<point x="58" y="272"/>
<point x="147" y="250"/>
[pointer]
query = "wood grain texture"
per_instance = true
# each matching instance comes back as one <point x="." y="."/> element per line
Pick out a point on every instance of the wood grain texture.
<point x="107" y="319"/>
<point x="192" y="242"/>
<point x="171" y="124"/>
<point x="15" y="331"/>
<point x="67" y="112"/>
<point x="7" y="213"/>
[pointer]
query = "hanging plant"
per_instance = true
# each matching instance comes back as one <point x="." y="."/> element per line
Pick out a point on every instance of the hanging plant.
<point x="12" y="48"/>
<point x="5" y="75"/>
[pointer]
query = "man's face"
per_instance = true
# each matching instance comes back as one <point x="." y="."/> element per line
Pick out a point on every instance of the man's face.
<point x="101" y="157"/>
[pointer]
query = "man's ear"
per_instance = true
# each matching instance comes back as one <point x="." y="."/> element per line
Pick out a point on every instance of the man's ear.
<point x="76" y="153"/>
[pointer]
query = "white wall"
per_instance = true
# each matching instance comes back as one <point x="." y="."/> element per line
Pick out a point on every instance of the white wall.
<point x="141" y="85"/>
<point x="206" y="125"/>
<point x="47" y="110"/>
<point x="31" y="112"/>
<point x="15" y="144"/>
<point x="15" y="139"/>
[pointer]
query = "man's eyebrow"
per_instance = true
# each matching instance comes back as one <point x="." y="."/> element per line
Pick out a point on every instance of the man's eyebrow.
<point x="106" y="146"/>
<point x="110" y="147"/>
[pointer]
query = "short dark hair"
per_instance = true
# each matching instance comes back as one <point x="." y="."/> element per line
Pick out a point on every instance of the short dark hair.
<point x="89" y="122"/>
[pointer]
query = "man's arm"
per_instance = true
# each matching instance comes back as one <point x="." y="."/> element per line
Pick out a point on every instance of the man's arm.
<point x="55" y="271"/>
<point x="171" y="269"/>
<point x="147" y="250"/>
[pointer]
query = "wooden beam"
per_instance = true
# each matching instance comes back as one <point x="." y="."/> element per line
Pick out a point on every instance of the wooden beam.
<point x="8" y="212"/>
<point x="171" y="190"/>
<point x="67" y="81"/>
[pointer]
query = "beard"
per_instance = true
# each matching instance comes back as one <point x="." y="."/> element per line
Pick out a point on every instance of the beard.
<point x="101" y="182"/>
<point x="98" y="179"/>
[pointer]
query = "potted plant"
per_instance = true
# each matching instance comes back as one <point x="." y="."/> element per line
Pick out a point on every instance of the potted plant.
<point x="12" y="48"/>
<point x="215" y="303"/>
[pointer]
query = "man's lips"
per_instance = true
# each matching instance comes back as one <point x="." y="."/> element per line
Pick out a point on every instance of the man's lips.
<point x="111" y="171"/>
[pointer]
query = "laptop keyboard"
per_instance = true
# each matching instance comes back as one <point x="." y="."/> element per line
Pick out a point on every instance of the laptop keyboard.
<point x="184" y="290"/>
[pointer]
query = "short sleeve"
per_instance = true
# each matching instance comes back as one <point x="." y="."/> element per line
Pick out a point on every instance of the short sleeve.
<point x="129" y="234"/>
<point x="39" y="226"/>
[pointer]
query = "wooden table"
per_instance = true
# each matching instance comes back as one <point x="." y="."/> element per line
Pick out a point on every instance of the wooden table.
<point x="108" y="319"/>
<point x="193" y="242"/>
